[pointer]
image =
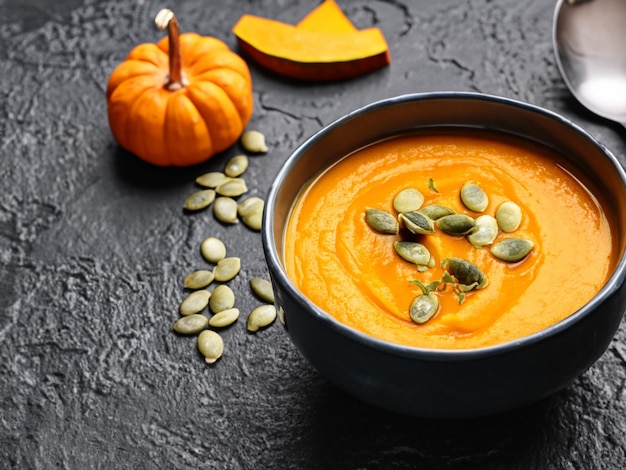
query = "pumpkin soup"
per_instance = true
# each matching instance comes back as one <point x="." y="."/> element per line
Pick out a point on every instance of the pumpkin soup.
<point x="357" y="247"/>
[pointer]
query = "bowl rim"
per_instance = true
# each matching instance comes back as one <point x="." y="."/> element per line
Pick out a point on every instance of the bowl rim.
<point x="613" y="284"/>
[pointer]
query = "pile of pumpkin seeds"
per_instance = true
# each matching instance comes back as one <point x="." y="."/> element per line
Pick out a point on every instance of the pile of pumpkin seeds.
<point x="222" y="190"/>
<point x="422" y="220"/>
<point x="220" y="301"/>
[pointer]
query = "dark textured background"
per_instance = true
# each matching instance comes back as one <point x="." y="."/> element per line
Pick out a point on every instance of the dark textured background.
<point x="94" y="245"/>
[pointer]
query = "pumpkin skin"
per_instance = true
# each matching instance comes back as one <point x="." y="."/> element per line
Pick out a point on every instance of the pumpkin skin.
<point x="324" y="46"/>
<point x="186" y="123"/>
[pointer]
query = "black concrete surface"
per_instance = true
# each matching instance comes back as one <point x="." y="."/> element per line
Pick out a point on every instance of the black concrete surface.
<point x="94" y="245"/>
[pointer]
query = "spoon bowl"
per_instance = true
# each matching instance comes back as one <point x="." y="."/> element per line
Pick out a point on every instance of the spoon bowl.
<point x="590" y="46"/>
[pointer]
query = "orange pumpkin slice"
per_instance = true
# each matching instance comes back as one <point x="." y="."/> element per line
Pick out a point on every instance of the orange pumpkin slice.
<point x="311" y="55"/>
<point x="327" y="17"/>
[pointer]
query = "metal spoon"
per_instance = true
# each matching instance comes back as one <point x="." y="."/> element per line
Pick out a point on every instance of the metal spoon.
<point x="590" y="45"/>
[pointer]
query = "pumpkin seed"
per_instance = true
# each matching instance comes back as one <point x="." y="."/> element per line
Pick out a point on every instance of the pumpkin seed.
<point x="417" y="223"/>
<point x="224" y="318"/>
<point x="466" y="272"/>
<point x="435" y="211"/>
<point x="236" y="166"/>
<point x="212" y="179"/>
<point x="210" y="345"/>
<point x="261" y="317"/>
<point x="254" y="222"/>
<point x="509" y="216"/>
<point x="485" y="231"/>
<point x="195" y="302"/>
<point x="423" y="308"/>
<point x="191" y="324"/>
<point x="512" y="249"/>
<point x="412" y="252"/>
<point x="253" y="141"/>
<point x="200" y="200"/>
<point x="232" y="188"/>
<point x="199" y="279"/>
<point x="474" y="198"/>
<point x="262" y="288"/>
<point x="250" y="206"/>
<point x="212" y="249"/>
<point x="456" y="224"/>
<point x="381" y="221"/>
<point x="225" y="210"/>
<point x="281" y="315"/>
<point x="227" y="269"/>
<point x="251" y="212"/>
<point x="222" y="298"/>
<point x="408" y="200"/>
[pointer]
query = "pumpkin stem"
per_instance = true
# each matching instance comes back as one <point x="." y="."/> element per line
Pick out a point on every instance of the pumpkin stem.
<point x="165" y="19"/>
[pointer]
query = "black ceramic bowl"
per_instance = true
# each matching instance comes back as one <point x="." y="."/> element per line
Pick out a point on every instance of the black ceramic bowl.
<point x="447" y="383"/>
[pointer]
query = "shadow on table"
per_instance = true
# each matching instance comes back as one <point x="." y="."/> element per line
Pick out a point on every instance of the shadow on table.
<point x="135" y="172"/>
<point x="347" y="433"/>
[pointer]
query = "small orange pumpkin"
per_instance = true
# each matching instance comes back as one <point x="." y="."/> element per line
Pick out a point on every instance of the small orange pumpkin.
<point x="180" y="101"/>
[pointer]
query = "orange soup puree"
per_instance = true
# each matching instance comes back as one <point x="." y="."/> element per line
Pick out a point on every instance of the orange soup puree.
<point x="352" y="272"/>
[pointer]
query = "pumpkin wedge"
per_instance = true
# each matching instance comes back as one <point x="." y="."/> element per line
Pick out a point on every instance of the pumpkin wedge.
<point x="311" y="55"/>
<point x="327" y="17"/>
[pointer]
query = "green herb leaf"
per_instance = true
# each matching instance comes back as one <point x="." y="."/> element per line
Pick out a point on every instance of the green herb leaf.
<point x="459" y="294"/>
<point x="420" y="285"/>
<point x="433" y="286"/>
<point x="431" y="185"/>
<point x="447" y="278"/>
<point x="426" y="289"/>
